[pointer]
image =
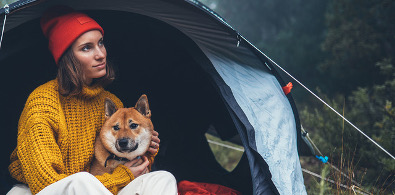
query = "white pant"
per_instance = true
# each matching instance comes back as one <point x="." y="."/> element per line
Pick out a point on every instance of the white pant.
<point x="154" y="183"/>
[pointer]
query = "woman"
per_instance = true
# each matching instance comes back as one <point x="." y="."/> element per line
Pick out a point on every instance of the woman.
<point x="58" y="126"/>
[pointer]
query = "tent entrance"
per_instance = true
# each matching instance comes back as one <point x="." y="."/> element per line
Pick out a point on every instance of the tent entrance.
<point x="163" y="63"/>
<point x="152" y="58"/>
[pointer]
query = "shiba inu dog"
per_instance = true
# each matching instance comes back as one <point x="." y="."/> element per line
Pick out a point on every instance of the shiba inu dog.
<point x="125" y="135"/>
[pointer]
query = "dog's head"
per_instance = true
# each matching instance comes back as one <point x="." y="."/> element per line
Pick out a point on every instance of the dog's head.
<point x="127" y="131"/>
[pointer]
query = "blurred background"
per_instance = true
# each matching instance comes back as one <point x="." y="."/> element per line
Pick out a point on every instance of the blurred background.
<point x="344" y="51"/>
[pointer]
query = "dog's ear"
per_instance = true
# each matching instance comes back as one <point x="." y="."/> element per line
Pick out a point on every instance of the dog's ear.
<point x="109" y="108"/>
<point x="143" y="107"/>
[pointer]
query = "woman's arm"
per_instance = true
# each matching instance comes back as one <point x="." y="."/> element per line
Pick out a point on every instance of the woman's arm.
<point x="37" y="159"/>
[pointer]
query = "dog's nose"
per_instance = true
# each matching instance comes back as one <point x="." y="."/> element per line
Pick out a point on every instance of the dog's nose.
<point x="123" y="143"/>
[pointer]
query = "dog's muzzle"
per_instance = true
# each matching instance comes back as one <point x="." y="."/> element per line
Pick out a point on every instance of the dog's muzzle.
<point x="126" y="145"/>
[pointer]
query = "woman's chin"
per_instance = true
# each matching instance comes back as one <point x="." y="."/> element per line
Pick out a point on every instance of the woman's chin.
<point x="100" y="74"/>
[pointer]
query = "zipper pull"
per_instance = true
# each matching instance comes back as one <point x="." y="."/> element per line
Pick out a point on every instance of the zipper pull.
<point x="238" y="40"/>
<point x="7" y="11"/>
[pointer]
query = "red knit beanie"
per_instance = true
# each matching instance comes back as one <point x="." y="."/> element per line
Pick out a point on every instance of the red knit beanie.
<point x="62" y="26"/>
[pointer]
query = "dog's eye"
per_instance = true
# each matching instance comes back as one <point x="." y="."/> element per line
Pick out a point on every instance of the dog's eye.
<point x="116" y="127"/>
<point x="134" y="126"/>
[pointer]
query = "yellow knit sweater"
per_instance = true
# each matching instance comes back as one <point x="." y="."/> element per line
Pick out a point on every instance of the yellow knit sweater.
<point x="56" y="137"/>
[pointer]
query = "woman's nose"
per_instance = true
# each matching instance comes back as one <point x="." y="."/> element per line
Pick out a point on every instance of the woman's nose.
<point x="100" y="53"/>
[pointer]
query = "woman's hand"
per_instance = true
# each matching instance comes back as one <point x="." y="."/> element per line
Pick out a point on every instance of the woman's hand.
<point x="138" y="166"/>
<point x="153" y="148"/>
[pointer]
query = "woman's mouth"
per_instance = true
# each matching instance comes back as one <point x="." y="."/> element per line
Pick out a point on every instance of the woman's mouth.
<point x="100" y="66"/>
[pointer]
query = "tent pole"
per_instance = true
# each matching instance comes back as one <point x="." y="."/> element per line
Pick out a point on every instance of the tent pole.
<point x="7" y="11"/>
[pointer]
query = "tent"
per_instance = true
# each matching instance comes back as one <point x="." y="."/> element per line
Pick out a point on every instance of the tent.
<point x="198" y="73"/>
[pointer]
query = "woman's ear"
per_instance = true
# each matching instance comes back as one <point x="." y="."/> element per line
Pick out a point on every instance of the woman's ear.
<point x="143" y="107"/>
<point x="109" y="108"/>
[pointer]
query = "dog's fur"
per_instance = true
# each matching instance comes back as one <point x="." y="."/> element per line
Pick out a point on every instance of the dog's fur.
<point x="126" y="133"/>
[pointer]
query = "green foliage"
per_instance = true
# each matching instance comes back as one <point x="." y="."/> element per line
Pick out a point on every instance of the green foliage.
<point x="370" y="109"/>
<point x="226" y="157"/>
<point x="4" y="2"/>
<point x="323" y="185"/>
<point x="290" y="31"/>
<point x="345" y="50"/>
<point x="360" y="45"/>
<point x="359" y="34"/>
<point x="320" y="186"/>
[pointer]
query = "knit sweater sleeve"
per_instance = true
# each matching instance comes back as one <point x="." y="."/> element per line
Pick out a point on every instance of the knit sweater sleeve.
<point x="37" y="159"/>
<point x="121" y="177"/>
<point x="151" y="158"/>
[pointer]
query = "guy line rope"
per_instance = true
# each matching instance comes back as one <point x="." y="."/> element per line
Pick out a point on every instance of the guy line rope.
<point x="6" y="7"/>
<point x="304" y="170"/>
<point x="333" y="166"/>
<point x="316" y="96"/>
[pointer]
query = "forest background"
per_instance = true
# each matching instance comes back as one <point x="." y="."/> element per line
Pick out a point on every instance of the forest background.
<point x="344" y="51"/>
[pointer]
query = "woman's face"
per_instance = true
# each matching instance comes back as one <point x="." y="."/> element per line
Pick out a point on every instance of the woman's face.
<point x="91" y="53"/>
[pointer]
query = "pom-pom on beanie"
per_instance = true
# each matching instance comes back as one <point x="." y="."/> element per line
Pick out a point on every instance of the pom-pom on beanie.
<point x="62" y="26"/>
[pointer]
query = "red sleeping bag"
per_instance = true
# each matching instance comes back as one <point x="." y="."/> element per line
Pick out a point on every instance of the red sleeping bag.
<point x="193" y="188"/>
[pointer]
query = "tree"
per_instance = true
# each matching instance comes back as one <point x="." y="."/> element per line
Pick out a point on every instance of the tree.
<point x="289" y="32"/>
<point x="360" y="33"/>
<point x="371" y="109"/>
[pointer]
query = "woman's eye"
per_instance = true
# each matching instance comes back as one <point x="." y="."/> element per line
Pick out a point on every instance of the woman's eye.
<point x="134" y="126"/>
<point x="85" y="48"/>
<point x="116" y="128"/>
<point x="101" y="43"/>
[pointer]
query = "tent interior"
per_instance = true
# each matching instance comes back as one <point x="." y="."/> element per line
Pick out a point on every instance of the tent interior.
<point x="152" y="58"/>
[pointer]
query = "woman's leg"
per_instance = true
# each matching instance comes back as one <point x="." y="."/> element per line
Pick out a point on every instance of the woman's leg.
<point x="20" y="189"/>
<point x="76" y="184"/>
<point x="154" y="183"/>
